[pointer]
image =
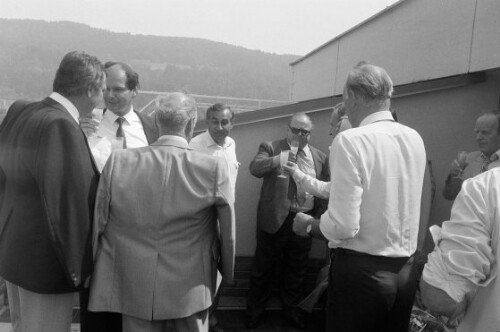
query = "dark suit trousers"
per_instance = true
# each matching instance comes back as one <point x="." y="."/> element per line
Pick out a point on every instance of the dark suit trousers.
<point x="284" y="249"/>
<point x="97" y="321"/>
<point x="370" y="293"/>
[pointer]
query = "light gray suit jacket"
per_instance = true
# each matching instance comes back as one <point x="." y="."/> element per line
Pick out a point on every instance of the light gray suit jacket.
<point x="157" y="242"/>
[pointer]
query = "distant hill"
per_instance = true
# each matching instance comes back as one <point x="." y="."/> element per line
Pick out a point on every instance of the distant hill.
<point x="30" y="51"/>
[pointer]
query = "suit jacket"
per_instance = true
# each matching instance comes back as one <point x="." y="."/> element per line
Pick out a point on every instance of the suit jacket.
<point x="149" y="126"/>
<point x="277" y="194"/>
<point x="157" y="238"/>
<point x="48" y="184"/>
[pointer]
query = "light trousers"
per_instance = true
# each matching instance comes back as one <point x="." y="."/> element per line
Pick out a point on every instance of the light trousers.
<point x="34" y="312"/>
<point x="197" y="322"/>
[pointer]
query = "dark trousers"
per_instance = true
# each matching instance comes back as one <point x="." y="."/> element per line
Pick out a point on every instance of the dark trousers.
<point x="369" y="293"/>
<point x="288" y="250"/>
<point x="97" y="321"/>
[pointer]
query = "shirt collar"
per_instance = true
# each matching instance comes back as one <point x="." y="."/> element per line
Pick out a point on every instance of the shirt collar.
<point x="377" y="116"/>
<point x="171" y="140"/>
<point x="211" y="142"/>
<point x="72" y="110"/>
<point x="494" y="156"/>
<point x="130" y="116"/>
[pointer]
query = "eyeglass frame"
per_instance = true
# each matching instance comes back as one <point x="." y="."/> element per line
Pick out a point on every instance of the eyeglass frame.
<point x="299" y="131"/>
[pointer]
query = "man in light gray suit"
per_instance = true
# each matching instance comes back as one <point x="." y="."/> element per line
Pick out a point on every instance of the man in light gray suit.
<point x="158" y="243"/>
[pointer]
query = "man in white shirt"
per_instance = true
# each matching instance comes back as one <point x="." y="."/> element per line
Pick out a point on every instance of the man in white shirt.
<point x="216" y="141"/>
<point x="461" y="273"/>
<point x="377" y="170"/>
<point x="121" y="126"/>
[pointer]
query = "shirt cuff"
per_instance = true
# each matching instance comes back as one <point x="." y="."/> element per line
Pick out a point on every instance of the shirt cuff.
<point x="298" y="176"/>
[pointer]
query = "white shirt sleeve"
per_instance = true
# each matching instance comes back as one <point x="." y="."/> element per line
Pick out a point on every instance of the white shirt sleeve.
<point x="312" y="185"/>
<point x="463" y="258"/>
<point x="341" y="220"/>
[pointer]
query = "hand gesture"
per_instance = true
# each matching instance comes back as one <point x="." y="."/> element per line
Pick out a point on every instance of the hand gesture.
<point x="89" y="126"/>
<point x="300" y="223"/>
<point x="290" y="167"/>
<point x="458" y="165"/>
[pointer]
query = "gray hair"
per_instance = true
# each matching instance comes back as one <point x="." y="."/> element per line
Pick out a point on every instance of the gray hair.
<point x="370" y="82"/>
<point x="77" y="73"/>
<point x="175" y="110"/>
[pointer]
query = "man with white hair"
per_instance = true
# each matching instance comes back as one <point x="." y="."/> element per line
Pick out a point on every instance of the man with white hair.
<point x="377" y="171"/>
<point x="157" y="240"/>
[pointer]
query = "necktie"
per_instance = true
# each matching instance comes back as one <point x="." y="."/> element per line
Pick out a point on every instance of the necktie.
<point x="302" y="164"/>
<point x="487" y="161"/>
<point x="120" y="132"/>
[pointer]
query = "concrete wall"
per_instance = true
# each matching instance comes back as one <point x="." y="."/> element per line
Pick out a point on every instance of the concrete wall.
<point x="444" y="118"/>
<point x="314" y="78"/>
<point x="415" y="40"/>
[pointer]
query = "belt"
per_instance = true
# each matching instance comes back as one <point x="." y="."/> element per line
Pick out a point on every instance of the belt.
<point x="347" y="252"/>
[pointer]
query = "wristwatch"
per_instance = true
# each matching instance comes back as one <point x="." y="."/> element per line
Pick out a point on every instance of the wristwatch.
<point x="309" y="229"/>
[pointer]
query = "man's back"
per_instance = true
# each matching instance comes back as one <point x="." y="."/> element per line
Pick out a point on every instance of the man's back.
<point x="39" y="200"/>
<point x="161" y="231"/>
<point x="385" y="162"/>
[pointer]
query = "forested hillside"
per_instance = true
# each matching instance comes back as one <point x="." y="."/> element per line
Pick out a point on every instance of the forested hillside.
<point x="30" y="51"/>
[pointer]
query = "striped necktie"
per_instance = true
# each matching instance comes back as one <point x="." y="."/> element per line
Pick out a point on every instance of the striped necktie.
<point x="120" y="132"/>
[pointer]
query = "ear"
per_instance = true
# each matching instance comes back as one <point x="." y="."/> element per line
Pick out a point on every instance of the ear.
<point x="134" y="93"/>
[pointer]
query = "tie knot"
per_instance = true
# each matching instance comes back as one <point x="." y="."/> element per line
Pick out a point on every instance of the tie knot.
<point x="120" y="120"/>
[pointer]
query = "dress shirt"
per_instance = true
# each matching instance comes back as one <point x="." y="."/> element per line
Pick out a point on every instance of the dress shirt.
<point x="311" y="172"/>
<point x="312" y="185"/>
<point x="72" y="110"/>
<point x="464" y="260"/>
<point x="100" y="142"/>
<point x="206" y="144"/>
<point x="377" y="173"/>
<point x="475" y="161"/>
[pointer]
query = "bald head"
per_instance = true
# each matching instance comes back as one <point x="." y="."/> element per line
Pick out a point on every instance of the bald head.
<point x="368" y="89"/>
<point x="176" y="114"/>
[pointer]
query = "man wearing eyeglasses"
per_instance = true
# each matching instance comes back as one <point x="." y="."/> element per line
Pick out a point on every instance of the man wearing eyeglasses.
<point x="279" y="202"/>
<point x="121" y="126"/>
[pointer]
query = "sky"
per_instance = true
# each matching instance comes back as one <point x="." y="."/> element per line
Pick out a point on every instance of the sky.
<point x="274" y="26"/>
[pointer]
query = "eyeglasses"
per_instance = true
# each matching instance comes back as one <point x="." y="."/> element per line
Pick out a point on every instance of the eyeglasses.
<point x="297" y="131"/>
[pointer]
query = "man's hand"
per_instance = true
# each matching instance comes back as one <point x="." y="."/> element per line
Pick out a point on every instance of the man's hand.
<point x="290" y="167"/>
<point x="456" y="169"/>
<point x="89" y="126"/>
<point x="300" y="223"/>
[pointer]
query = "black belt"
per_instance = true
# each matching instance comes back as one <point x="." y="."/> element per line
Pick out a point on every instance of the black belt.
<point x="346" y="252"/>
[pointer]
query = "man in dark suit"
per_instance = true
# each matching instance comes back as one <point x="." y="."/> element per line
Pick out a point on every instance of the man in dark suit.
<point x="120" y="126"/>
<point x="49" y="182"/>
<point x="279" y="203"/>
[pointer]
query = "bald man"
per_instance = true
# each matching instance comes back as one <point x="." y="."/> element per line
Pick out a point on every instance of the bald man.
<point x="157" y="248"/>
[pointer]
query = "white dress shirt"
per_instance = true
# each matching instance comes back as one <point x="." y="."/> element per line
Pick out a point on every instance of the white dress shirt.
<point x="310" y="171"/>
<point x="101" y="142"/>
<point x="206" y="144"/>
<point x="377" y="173"/>
<point x="72" y="110"/>
<point x="312" y="185"/>
<point x="464" y="260"/>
